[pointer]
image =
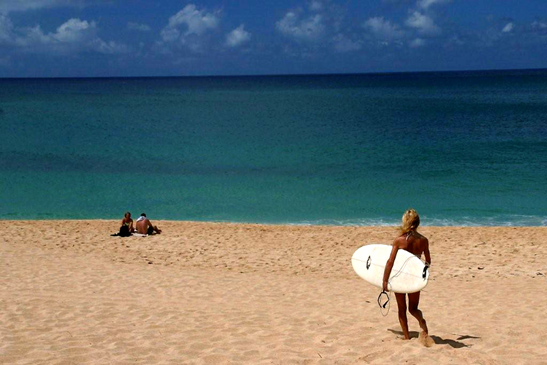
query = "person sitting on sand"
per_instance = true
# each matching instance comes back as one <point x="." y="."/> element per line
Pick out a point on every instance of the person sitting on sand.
<point x="144" y="226"/>
<point x="127" y="226"/>
<point x="413" y="242"/>
<point x="128" y="221"/>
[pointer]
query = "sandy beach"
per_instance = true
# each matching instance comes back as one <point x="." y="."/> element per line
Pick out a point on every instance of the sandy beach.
<point x="214" y="293"/>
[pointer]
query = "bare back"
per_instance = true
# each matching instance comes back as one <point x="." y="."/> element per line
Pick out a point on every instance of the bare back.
<point x="414" y="243"/>
<point x="142" y="226"/>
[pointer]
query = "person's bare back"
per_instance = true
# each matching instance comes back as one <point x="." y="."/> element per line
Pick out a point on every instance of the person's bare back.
<point x="414" y="243"/>
<point x="144" y="226"/>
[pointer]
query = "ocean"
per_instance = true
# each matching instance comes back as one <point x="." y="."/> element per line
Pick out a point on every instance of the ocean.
<point x="462" y="148"/>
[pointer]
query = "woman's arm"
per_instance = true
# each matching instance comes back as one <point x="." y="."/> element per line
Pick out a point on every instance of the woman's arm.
<point x="389" y="265"/>
<point x="426" y="253"/>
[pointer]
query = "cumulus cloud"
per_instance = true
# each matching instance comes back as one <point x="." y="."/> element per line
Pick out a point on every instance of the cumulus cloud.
<point x="237" y="37"/>
<point x="508" y="27"/>
<point x="74" y="30"/>
<point x="422" y="23"/>
<point x="110" y="47"/>
<point x="73" y="36"/>
<point x="383" y="29"/>
<point x="539" y="25"/>
<point x="189" y="21"/>
<point x="319" y="26"/>
<point x="308" y="29"/>
<point x="425" y="4"/>
<point x="189" y="28"/>
<point x="138" y="27"/>
<point x="316" y="5"/>
<point x="343" y="44"/>
<point x="7" y="6"/>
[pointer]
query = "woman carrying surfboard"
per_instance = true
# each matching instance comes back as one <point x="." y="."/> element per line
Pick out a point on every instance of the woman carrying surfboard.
<point x="413" y="242"/>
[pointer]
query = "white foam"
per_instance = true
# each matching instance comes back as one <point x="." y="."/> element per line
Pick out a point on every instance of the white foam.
<point x="466" y="221"/>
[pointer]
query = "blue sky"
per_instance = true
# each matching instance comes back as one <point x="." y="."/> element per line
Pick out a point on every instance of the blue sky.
<point x="90" y="38"/>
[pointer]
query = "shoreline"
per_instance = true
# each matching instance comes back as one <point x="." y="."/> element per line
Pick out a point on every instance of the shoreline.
<point x="222" y="293"/>
<point x="312" y="224"/>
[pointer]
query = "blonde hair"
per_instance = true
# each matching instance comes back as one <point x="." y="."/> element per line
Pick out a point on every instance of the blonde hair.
<point x="411" y="221"/>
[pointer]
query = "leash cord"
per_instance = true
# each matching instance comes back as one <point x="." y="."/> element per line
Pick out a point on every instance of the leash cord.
<point x="383" y="306"/>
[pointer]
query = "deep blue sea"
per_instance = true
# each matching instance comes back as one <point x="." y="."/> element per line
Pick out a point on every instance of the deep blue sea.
<point x="463" y="148"/>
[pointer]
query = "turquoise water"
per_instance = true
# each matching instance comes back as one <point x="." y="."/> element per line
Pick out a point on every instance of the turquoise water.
<point x="462" y="148"/>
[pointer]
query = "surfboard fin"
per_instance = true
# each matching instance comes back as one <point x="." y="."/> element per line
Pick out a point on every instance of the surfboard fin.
<point x="424" y="273"/>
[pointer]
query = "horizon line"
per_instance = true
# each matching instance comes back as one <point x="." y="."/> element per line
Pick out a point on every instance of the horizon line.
<point x="493" y="70"/>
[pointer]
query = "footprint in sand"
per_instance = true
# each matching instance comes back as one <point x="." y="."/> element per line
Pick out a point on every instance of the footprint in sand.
<point x="425" y="340"/>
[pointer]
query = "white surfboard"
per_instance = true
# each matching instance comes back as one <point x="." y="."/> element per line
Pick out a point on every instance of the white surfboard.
<point x="409" y="273"/>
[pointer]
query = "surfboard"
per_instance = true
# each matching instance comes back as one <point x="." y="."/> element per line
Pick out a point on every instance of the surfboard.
<point x="409" y="273"/>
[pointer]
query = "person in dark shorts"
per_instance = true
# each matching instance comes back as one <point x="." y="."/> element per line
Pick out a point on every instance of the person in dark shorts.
<point x="144" y="226"/>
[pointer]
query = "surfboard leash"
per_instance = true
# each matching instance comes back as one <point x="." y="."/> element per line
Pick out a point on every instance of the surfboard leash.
<point x="387" y="303"/>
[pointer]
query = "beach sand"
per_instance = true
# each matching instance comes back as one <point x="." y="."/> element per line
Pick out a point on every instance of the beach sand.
<point x="212" y="293"/>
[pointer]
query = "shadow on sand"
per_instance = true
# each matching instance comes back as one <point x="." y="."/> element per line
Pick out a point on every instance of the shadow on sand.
<point x="439" y="340"/>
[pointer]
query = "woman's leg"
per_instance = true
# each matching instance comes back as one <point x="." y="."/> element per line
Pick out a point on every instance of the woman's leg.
<point x="413" y="301"/>
<point x="401" y="304"/>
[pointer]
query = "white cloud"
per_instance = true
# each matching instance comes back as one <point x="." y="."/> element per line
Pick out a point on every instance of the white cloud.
<point x="6" y="29"/>
<point x="383" y="29"/>
<point x="138" y="27"/>
<point x="418" y="42"/>
<point x="237" y="37"/>
<point x="425" y="4"/>
<point x="75" y="30"/>
<point x="343" y="44"/>
<point x="110" y="47"/>
<point x="539" y="25"/>
<point x="189" y="21"/>
<point x="508" y="28"/>
<point x="189" y="28"/>
<point x="308" y="29"/>
<point x="32" y="39"/>
<point x="422" y="23"/>
<point x="73" y="36"/>
<point x="316" y="5"/>
<point x="320" y="26"/>
<point x="7" y="6"/>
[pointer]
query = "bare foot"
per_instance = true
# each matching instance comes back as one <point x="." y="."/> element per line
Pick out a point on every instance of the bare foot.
<point x="425" y="340"/>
